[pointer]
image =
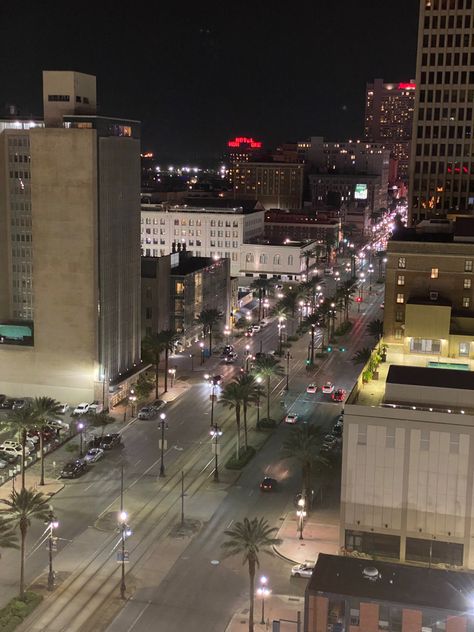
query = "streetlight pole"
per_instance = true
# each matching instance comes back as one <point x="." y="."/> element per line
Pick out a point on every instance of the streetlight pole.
<point x="301" y="513"/>
<point x="172" y="373"/>
<point x="216" y="433"/>
<point x="258" y="379"/>
<point x="53" y="524"/>
<point x="132" y="398"/>
<point x="247" y="357"/>
<point x="263" y="591"/>
<point x="201" y="344"/>
<point x="162" y="444"/>
<point x="123" y="529"/>
<point x="213" y="386"/>
<point x="288" y="357"/>
<point x="192" y="361"/>
<point x="80" y="427"/>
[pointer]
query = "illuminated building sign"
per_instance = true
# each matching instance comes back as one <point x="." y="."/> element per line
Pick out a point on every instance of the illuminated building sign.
<point x="243" y="140"/>
<point x="360" y="192"/>
<point x="406" y="86"/>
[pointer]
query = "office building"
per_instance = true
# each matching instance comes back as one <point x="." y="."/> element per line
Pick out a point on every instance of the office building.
<point x="389" y="119"/>
<point x="276" y="258"/>
<point x="301" y="226"/>
<point x="441" y="160"/>
<point x="243" y="149"/>
<point x="429" y="285"/>
<point x="273" y="184"/>
<point x="70" y="279"/>
<point x="353" y="595"/>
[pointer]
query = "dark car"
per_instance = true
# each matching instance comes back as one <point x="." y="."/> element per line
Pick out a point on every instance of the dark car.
<point x="7" y="457"/>
<point x="94" y="442"/>
<point x="109" y="441"/>
<point x="216" y="380"/>
<point x="73" y="469"/>
<point x="268" y="484"/>
<point x="2" y="398"/>
<point x="227" y="349"/>
<point x="7" y="403"/>
<point x="157" y="404"/>
<point x="339" y="395"/>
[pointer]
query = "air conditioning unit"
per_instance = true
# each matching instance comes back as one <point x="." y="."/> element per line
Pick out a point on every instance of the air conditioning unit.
<point x="433" y="296"/>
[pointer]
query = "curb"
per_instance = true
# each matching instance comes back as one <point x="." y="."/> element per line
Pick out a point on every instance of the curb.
<point x="283" y="557"/>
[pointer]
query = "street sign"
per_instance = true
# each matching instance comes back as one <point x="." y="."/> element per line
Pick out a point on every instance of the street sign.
<point x="165" y="444"/>
<point x="125" y="557"/>
<point x="212" y="397"/>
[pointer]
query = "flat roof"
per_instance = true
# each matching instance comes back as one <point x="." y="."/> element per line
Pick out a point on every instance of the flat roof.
<point x="192" y="264"/>
<point x="394" y="583"/>
<point x="430" y="376"/>
<point x="184" y="208"/>
<point x="275" y="240"/>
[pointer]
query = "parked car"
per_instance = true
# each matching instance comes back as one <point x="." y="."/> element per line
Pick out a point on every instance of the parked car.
<point x="147" y="412"/>
<point x="8" y="457"/>
<point x="2" y="398"/>
<point x="256" y="328"/>
<point x="95" y="407"/>
<point x="268" y="484"/>
<point x="311" y="388"/>
<point x="73" y="469"/>
<point x="63" y="408"/>
<point x="3" y="464"/>
<point x="328" y="271"/>
<point x="112" y="440"/>
<point x="328" y="388"/>
<point x="13" y="447"/>
<point x="339" y="395"/>
<point x="336" y="431"/>
<point x="34" y="435"/>
<point x="157" y="404"/>
<point x="7" y="403"/>
<point x="291" y="418"/>
<point x="303" y="570"/>
<point x="81" y="409"/>
<point x="58" y="424"/>
<point x="94" y="442"/>
<point x="93" y="455"/>
<point x="18" y="404"/>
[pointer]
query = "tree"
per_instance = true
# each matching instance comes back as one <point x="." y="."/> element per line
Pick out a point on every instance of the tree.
<point x="313" y="320"/>
<point x="362" y="356"/>
<point x="375" y="329"/>
<point x="143" y="387"/>
<point x="8" y="535"/>
<point x="99" y="420"/>
<point x="21" y="508"/>
<point x="43" y="409"/>
<point x="304" y="445"/>
<point x="153" y="348"/>
<point x="21" y="421"/>
<point x="232" y="397"/>
<point x="346" y="291"/>
<point x="267" y="368"/>
<point x="250" y="538"/>
<point x="251" y="392"/>
<point x="262" y="285"/>
<point x="309" y="288"/>
<point x="208" y="318"/>
<point x="168" y="339"/>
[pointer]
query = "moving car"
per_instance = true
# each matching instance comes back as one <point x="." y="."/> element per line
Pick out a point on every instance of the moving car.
<point x="58" y="424"/>
<point x="311" y="388"/>
<point x="81" y="409"/>
<point x="157" y="404"/>
<point x="216" y="380"/>
<point x="13" y="447"/>
<point x="303" y="570"/>
<point x="147" y="412"/>
<point x="73" y="469"/>
<point x="328" y="388"/>
<point x="256" y="328"/>
<point x="230" y="358"/>
<point x="268" y="484"/>
<point x="249" y="332"/>
<point x="112" y="440"/>
<point x="62" y="409"/>
<point x="291" y="418"/>
<point x="93" y="455"/>
<point x="18" y="404"/>
<point x="339" y="395"/>
<point x="227" y="349"/>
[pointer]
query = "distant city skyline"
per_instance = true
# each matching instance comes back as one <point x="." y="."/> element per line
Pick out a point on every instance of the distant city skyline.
<point x="198" y="78"/>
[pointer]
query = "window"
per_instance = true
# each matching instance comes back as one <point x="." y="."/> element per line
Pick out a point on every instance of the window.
<point x="290" y="260"/>
<point x="468" y="265"/>
<point x="466" y="301"/>
<point x="58" y="97"/>
<point x="249" y="257"/>
<point x="467" y="284"/>
<point x="398" y="333"/>
<point x="402" y="262"/>
<point x="434" y="273"/>
<point x="399" y="316"/>
<point x="263" y="258"/>
<point x="425" y="345"/>
<point x="400" y="298"/>
<point x="276" y="260"/>
<point x="401" y="279"/>
<point x="179" y="288"/>
<point x="464" y="349"/>
<point x="362" y="435"/>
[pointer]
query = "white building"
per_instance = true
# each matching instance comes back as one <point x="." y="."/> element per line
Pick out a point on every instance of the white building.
<point x="275" y="258"/>
<point x="408" y="466"/>
<point x="207" y="232"/>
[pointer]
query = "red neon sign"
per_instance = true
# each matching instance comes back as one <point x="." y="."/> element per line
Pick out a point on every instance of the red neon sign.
<point x="406" y="86"/>
<point x="243" y="140"/>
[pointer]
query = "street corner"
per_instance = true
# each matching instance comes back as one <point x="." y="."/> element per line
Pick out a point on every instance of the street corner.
<point x="277" y="607"/>
<point x="298" y="547"/>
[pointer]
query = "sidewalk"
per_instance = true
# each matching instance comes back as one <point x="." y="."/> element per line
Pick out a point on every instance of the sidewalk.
<point x="276" y="607"/>
<point x="52" y="486"/>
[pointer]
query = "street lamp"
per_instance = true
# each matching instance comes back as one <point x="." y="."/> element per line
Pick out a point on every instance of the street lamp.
<point x="52" y="524"/>
<point x="361" y="290"/>
<point x="216" y="433"/>
<point x="258" y="379"/>
<point x="172" y="373"/>
<point x="80" y="427"/>
<point x="371" y="269"/>
<point x="332" y="314"/>
<point x="266" y="305"/>
<point x="247" y="358"/>
<point x="192" y="361"/>
<point x="124" y="533"/>
<point x="201" y="344"/>
<point x="280" y="333"/>
<point x="263" y="591"/>
<point x="132" y="398"/>
<point x="288" y="358"/>
<point x="301" y="513"/>
<point x="163" y="443"/>
<point x="213" y="397"/>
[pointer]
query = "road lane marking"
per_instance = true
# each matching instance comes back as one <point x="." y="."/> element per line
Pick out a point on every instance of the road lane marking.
<point x="139" y="616"/>
<point x="228" y="526"/>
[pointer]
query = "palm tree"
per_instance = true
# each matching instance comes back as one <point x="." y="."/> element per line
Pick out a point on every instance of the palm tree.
<point x="313" y="320"/>
<point x="362" y="356"/>
<point x="375" y="329"/>
<point x="304" y="445"/>
<point x="21" y="421"/>
<point x="43" y="409"/>
<point x="168" y="339"/>
<point x="309" y="288"/>
<point x="251" y="392"/>
<point x="267" y="368"/>
<point x="346" y="291"/>
<point x="232" y="397"/>
<point x="250" y="538"/>
<point x="153" y="348"/>
<point x="262" y="285"/>
<point x="8" y="535"/>
<point x="208" y="318"/>
<point x="21" y="508"/>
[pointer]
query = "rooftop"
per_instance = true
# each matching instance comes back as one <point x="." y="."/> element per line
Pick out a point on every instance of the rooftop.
<point x="393" y="583"/>
<point x="193" y="264"/>
<point x="288" y="217"/>
<point x="275" y="240"/>
<point x="199" y="208"/>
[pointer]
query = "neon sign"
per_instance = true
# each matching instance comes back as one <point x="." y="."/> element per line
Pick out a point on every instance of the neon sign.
<point x="406" y="86"/>
<point x="243" y="140"/>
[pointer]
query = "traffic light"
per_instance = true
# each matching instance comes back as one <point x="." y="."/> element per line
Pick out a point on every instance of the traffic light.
<point x="329" y="349"/>
<point x="308" y="361"/>
<point x="342" y="348"/>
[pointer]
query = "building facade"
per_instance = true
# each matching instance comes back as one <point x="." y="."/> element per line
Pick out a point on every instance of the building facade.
<point x="301" y="226"/>
<point x="80" y="296"/>
<point x="441" y="161"/>
<point x="389" y="119"/>
<point x="273" y="184"/>
<point x="283" y="259"/>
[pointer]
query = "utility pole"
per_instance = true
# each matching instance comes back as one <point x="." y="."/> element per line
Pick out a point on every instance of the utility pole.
<point x="288" y="357"/>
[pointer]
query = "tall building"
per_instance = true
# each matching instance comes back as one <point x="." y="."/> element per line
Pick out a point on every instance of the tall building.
<point x="389" y="119"/>
<point x="441" y="163"/>
<point x="273" y="184"/>
<point x="70" y="279"/>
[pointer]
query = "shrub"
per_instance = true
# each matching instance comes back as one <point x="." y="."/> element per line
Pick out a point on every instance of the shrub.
<point x="245" y="457"/>
<point x="266" y="423"/>
<point x="292" y="338"/>
<point x="17" y="610"/>
<point x="343" y="328"/>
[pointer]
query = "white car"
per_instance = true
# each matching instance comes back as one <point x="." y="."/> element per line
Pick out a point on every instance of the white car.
<point x="62" y="409"/>
<point x="58" y="424"/>
<point x="81" y="409"/>
<point x="311" y="388"/>
<point x="93" y="455"/>
<point x="328" y="388"/>
<point x="95" y="407"/>
<point x="303" y="570"/>
<point x="256" y="328"/>
<point x="13" y="447"/>
<point x="3" y="464"/>
<point x="291" y="418"/>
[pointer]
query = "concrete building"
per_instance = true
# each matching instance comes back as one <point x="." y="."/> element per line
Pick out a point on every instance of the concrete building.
<point x="429" y="289"/>
<point x="206" y="231"/>
<point x="441" y="161"/>
<point x="71" y="270"/>
<point x="273" y="184"/>
<point x="389" y="119"/>
<point x="351" y="595"/>
<point x="284" y="224"/>
<point x="156" y="294"/>
<point x="275" y="258"/>
<point x="408" y="450"/>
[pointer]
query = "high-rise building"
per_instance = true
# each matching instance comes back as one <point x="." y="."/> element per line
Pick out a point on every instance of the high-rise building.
<point x="70" y="275"/>
<point x="441" y="163"/>
<point x="273" y="184"/>
<point x="389" y="119"/>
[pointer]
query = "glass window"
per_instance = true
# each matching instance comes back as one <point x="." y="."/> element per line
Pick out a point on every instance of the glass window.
<point x="401" y="279"/>
<point x="425" y="345"/>
<point x="467" y="284"/>
<point x="466" y="301"/>
<point x="434" y="273"/>
<point x="402" y="262"/>
<point x="399" y="316"/>
<point x="464" y="349"/>
<point x="290" y="260"/>
<point x="249" y="257"/>
<point x="400" y="298"/>
<point x="263" y="258"/>
<point x="468" y="265"/>
<point x="276" y="260"/>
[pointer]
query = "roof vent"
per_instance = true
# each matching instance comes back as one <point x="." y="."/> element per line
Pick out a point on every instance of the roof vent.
<point x="371" y="573"/>
<point x="433" y="296"/>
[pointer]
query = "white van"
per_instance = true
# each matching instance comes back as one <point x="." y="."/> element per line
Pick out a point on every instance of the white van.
<point x="328" y="271"/>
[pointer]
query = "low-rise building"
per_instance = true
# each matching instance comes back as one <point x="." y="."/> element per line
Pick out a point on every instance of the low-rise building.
<point x="274" y="258"/>
<point x="353" y="595"/>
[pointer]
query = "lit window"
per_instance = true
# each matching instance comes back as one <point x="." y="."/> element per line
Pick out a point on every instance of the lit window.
<point x="402" y="262"/>
<point x="400" y="298"/>
<point x="398" y="333"/>
<point x="466" y="301"/>
<point x="401" y="279"/>
<point x="468" y="265"/>
<point x="467" y="284"/>
<point x="463" y="348"/>
<point x="434" y="273"/>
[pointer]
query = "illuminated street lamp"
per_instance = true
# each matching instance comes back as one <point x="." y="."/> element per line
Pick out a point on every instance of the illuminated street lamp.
<point x="280" y="332"/>
<point x="216" y="434"/>
<point x="263" y="591"/>
<point x="301" y="514"/>
<point x="125" y="532"/>
<point x="163" y="443"/>
<point x="172" y="373"/>
<point x="132" y="398"/>
<point x="258" y="379"/>
<point x="52" y="523"/>
<point x="247" y="357"/>
<point x="201" y="344"/>
<point x="80" y="427"/>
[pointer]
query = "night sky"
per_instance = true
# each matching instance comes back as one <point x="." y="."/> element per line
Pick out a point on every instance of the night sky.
<point x="196" y="77"/>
